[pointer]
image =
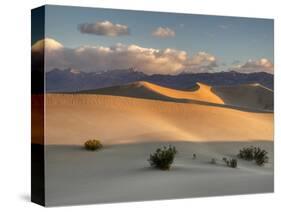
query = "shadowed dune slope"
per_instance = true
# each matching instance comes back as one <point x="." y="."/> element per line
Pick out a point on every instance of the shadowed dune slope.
<point x="147" y="90"/>
<point x="74" y="118"/>
<point x="249" y="96"/>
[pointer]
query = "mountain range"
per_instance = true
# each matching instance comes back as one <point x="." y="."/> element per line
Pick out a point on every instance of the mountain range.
<point x="69" y="80"/>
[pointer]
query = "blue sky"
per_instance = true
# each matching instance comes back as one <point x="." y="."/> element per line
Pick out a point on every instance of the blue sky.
<point x="230" y="39"/>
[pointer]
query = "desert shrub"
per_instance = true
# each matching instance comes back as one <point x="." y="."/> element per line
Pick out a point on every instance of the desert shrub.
<point x="231" y="162"/>
<point x="213" y="161"/>
<point x="260" y="156"/>
<point x="247" y="153"/>
<point x="194" y="156"/>
<point x="92" y="145"/>
<point x="163" y="157"/>
<point x="254" y="153"/>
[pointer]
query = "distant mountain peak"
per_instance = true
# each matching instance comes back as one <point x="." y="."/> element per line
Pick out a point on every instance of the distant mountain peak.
<point x="71" y="79"/>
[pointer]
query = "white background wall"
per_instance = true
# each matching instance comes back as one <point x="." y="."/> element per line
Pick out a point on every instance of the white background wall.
<point x="15" y="104"/>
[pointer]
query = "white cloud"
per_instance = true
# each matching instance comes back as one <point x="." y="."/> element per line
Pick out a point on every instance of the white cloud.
<point x="163" y="32"/>
<point x="202" y="62"/>
<point x="48" y="44"/>
<point x="47" y="48"/>
<point x="104" y="28"/>
<point x="147" y="60"/>
<point x="259" y="65"/>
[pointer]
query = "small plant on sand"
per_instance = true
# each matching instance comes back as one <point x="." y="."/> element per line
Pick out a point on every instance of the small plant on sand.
<point x="231" y="162"/>
<point x="93" y="145"/>
<point x="163" y="157"/>
<point x="254" y="153"/>
<point x="213" y="161"/>
<point x="260" y="156"/>
<point x="247" y="153"/>
<point x="194" y="156"/>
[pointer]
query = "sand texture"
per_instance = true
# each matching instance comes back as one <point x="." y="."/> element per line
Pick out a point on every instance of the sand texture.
<point x="73" y="118"/>
<point x="121" y="173"/>
<point x="133" y="120"/>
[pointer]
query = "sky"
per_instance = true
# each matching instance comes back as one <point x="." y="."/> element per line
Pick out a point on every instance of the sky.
<point x="92" y="39"/>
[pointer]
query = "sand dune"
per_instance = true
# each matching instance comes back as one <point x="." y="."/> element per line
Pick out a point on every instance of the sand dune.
<point x="249" y="96"/>
<point x="146" y="90"/>
<point x="203" y="93"/>
<point x="139" y="126"/>
<point x="73" y="118"/>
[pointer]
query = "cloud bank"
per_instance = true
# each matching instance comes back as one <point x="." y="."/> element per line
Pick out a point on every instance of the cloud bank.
<point x="163" y="32"/>
<point x="148" y="60"/>
<point x="262" y="64"/>
<point x="105" y="28"/>
<point x="48" y="43"/>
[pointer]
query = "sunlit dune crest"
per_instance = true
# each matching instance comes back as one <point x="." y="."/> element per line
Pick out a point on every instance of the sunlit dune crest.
<point x="147" y="90"/>
<point x="203" y="93"/>
<point x="246" y="96"/>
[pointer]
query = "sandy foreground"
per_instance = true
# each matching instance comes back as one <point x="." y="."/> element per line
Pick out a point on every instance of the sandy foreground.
<point x="132" y="128"/>
<point x="121" y="173"/>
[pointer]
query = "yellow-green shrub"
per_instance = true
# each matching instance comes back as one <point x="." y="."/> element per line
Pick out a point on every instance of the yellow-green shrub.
<point x="93" y="144"/>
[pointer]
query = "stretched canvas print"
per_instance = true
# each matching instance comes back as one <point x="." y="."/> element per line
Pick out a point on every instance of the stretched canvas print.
<point x="135" y="105"/>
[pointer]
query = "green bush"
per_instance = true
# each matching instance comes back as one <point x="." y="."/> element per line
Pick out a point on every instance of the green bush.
<point x="194" y="156"/>
<point x="163" y="157"/>
<point x="254" y="153"/>
<point x="260" y="156"/>
<point x="93" y="145"/>
<point x="213" y="161"/>
<point x="231" y="162"/>
<point x="247" y="153"/>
